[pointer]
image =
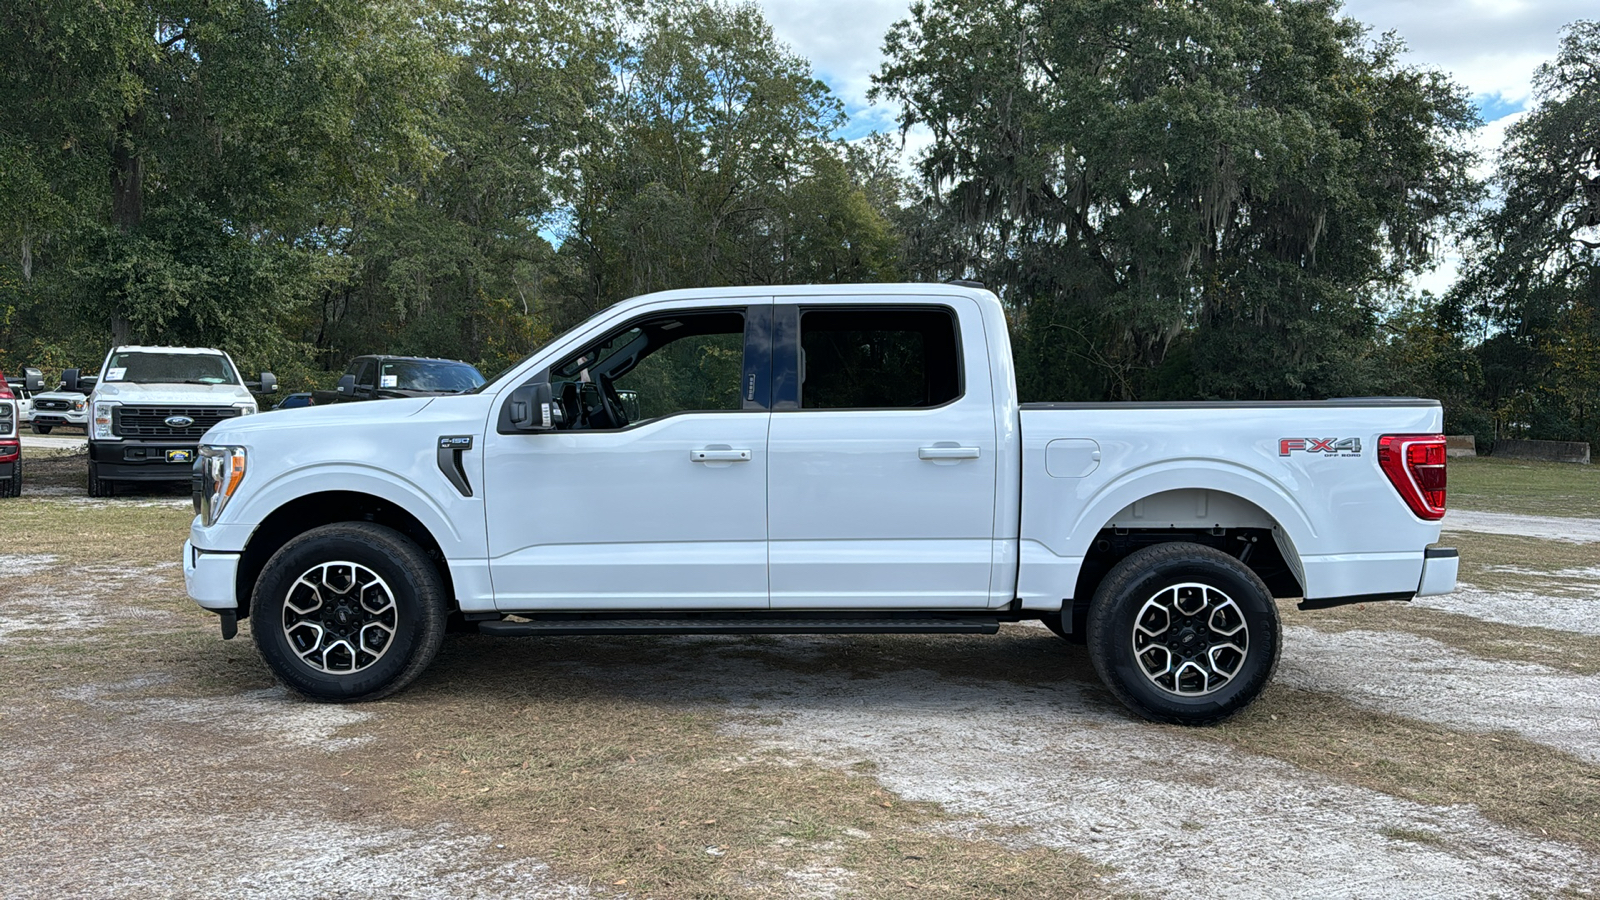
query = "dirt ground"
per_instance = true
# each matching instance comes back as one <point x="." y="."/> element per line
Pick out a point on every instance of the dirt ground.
<point x="1445" y="749"/>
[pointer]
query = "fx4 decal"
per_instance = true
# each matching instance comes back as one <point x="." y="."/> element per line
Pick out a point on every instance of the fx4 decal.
<point x="1330" y="446"/>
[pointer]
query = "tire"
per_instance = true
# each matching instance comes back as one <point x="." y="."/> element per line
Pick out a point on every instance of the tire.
<point x="304" y="597"/>
<point x="1198" y="674"/>
<point x="98" y="487"/>
<point x="16" y="479"/>
<point x="41" y="429"/>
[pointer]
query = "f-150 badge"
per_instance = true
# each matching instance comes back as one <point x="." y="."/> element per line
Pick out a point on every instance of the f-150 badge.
<point x="1330" y="446"/>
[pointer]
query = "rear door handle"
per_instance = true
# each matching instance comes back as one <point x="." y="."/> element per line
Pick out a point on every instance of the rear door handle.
<point x="719" y="455"/>
<point x="947" y="453"/>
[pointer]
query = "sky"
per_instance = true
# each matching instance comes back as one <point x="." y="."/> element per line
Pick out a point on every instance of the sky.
<point x="1491" y="47"/>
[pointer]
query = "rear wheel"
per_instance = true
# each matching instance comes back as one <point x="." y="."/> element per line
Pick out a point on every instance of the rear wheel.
<point x="348" y="612"/>
<point x="1183" y="633"/>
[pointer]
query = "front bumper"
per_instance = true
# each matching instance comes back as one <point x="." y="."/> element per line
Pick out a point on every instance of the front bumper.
<point x="132" y="460"/>
<point x="55" y="419"/>
<point x="210" y="577"/>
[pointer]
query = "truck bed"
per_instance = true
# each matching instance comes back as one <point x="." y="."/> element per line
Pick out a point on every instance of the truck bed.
<point x="1305" y="472"/>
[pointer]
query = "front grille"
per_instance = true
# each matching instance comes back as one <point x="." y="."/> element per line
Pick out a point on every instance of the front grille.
<point x="151" y="421"/>
<point x="52" y="404"/>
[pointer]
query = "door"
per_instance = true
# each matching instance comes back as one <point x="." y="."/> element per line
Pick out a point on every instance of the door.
<point x="653" y="492"/>
<point x="882" y="457"/>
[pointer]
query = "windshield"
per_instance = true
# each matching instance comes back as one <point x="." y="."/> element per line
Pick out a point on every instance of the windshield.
<point x="148" y="367"/>
<point x="428" y="375"/>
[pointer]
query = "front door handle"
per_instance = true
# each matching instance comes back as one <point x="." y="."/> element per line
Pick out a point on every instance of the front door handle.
<point x="719" y="455"/>
<point x="947" y="453"/>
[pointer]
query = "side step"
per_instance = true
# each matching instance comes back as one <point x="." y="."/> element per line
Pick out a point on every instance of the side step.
<point x="745" y="623"/>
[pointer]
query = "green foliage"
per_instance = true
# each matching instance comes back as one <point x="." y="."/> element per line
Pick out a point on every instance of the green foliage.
<point x="717" y="167"/>
<point x="1533" y="283"/>
<point x="1178" y="198"/>
<point x="1173" y="200"/>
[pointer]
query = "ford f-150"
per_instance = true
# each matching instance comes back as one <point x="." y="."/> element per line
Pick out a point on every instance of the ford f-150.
<point x="810" y="460"/>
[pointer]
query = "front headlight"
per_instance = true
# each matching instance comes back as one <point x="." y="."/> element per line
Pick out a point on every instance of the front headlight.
<point x="101" y="429"/>
<point x="221" y="470"/>
<point x="245" y="409"/>
<point x="78" y="405"/>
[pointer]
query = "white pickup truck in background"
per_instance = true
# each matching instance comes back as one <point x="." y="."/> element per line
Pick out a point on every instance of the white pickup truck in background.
<point x="810" y="460"/>
<point x="149" y="407"/>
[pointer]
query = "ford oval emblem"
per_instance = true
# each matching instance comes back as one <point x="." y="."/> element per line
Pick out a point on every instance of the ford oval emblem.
<point x="179" y="421"/>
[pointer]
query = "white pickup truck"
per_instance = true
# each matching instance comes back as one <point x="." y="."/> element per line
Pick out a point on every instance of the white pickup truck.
<point x="810" y="460"/>
<point x="149" y="407"/>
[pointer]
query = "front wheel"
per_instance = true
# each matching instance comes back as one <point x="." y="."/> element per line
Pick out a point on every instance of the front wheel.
<point x="41" y="429"/>
<point x="99" y="487"/>
<point x="1183" y="633"/>
<point x="12" y="485"/>
<point x="348" y="612"/>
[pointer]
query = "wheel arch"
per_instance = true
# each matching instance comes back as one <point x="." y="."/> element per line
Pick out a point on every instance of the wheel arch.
<point x="1211" y="516"/>
<point x="303" y="513"/>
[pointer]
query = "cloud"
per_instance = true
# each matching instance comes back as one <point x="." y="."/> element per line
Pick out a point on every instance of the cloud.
<point x="1490" y="46"/>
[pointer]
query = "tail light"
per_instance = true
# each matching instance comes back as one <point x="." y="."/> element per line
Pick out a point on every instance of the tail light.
<point x="1415" y="466"/>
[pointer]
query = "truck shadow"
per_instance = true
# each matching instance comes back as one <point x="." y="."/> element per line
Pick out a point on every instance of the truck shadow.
<point x="782" y="669"/>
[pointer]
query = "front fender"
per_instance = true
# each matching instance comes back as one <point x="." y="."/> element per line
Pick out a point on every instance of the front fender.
<point x="447" y="516"/>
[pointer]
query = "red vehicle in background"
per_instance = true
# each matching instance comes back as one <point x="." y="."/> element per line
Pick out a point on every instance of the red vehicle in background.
<point x="10" y="442"/>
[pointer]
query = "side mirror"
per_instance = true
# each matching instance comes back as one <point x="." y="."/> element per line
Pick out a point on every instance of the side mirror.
<point x="69" y="380"/>
<point x="267" y="385"/>
<point x="32" y="379"/>
<point x="533" y="408"/>
<point x="347" y="383"/>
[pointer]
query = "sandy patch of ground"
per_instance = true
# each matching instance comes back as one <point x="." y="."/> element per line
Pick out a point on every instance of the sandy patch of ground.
<point x="121" y="794"/>
<point x="1551" y="528"/>
<point x="44" y="599"/>
<point x="1523" y="608"/>
<point x="1424" y="679"/>
<point x="1178" y="815"/>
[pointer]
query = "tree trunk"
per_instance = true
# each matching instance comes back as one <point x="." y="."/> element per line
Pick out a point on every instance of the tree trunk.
<point x="127" y="202"/>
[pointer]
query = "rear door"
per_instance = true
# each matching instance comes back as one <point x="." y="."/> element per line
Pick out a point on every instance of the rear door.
<point x="882" y="456"/>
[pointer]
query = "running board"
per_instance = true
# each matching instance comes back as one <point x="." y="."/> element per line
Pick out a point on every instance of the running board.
<point x="747" y="624"/>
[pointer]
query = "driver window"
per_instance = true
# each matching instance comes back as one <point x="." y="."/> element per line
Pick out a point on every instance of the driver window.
<point x="689" y="362"/>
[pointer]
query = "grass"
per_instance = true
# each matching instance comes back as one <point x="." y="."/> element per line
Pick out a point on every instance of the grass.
<point x="649" y="794"/>
<point x="1510" y="780"/>
<point x="1522" y="486"/>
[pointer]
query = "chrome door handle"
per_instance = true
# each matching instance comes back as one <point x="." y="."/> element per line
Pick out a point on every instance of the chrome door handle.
<point x="719" y="455"/>
<point x="947" y="453"/>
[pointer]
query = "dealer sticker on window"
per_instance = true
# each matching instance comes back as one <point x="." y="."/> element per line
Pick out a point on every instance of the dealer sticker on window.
<point x="116" y="374"/>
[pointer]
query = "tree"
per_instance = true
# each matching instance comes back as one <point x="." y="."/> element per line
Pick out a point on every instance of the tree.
<point x="1533" y="279"/>
<point x="189" y="161"/>
<point x="715" y="164"/>
<point x="1178" y="199"/>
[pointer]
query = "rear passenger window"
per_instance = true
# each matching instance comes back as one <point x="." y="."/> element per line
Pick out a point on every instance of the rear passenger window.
<point x="878" y="358"/>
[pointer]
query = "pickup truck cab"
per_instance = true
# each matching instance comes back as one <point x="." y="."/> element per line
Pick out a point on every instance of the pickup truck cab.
<point x="149" y="407"/>
<point x="810" y="459"/>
